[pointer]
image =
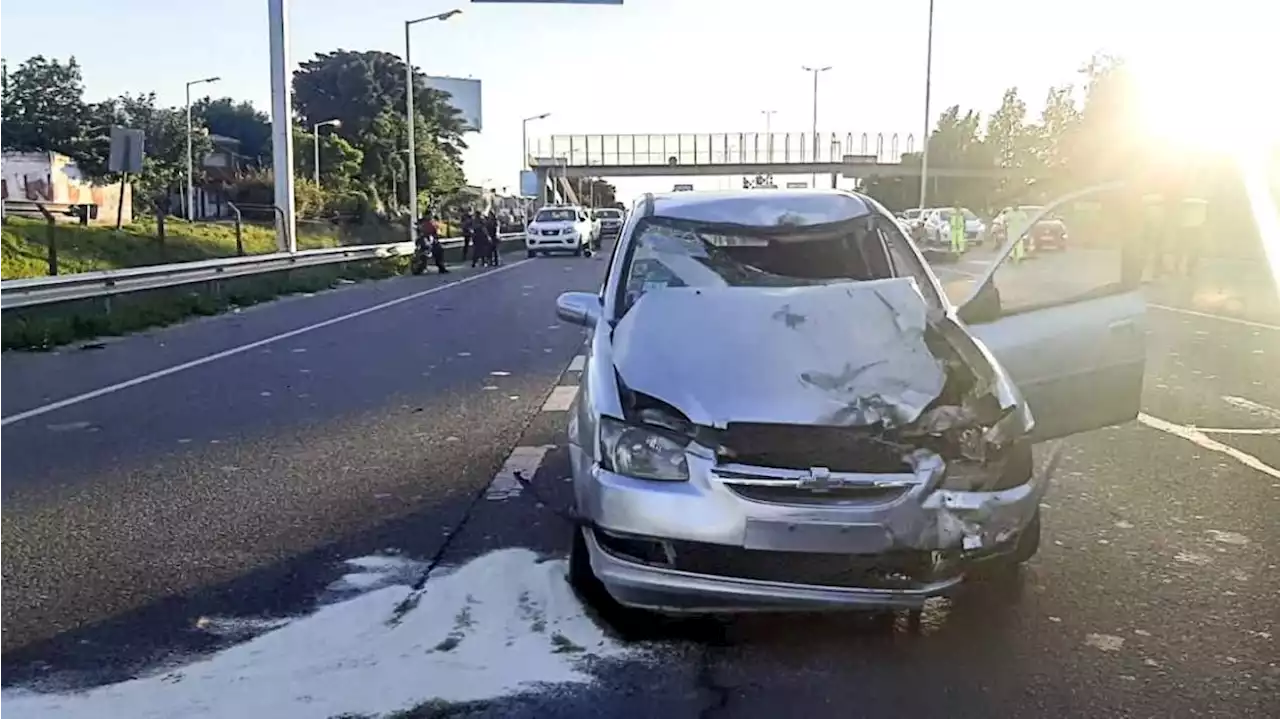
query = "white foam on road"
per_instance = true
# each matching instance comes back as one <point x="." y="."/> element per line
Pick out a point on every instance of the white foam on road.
<point x="561" y="398"/>
<point x="1252" y="407"/>
<point x="502" y="624"/>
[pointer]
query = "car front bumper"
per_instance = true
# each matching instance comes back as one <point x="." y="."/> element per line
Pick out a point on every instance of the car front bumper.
<point x="553" y="243"/>
<point x="701" y="546"/>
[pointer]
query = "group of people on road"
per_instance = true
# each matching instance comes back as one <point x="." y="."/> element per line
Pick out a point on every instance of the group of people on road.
<point x="480" y="238"/>
<point x="480" y="241"/>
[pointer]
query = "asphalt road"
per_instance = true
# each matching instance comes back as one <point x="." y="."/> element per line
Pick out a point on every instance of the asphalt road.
<point x="237" y="487"/>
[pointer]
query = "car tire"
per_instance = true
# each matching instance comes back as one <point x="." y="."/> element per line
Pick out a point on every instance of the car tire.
<point x="577" y="251"/>
<point x="532" y="253"/>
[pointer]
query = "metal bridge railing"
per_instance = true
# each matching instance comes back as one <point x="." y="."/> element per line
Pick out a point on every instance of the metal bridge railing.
<point x="722" y="148"/>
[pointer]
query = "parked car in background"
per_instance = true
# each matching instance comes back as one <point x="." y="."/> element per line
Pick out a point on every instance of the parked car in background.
<point x="1050" y="232"/>
<point x="740" y="444"/>
<point x="610" y="222"/>
<point x="564" y="228"/>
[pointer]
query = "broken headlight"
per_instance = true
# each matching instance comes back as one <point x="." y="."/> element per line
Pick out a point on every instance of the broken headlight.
<point x="1002" y="468"/>
<point x="642" y="452"/>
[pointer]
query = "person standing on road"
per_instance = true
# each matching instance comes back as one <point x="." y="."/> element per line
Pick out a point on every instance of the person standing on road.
<point x="468" y="236"/>
<point x="1154" y="231"/>
<point x="1015" y="221"/>
<point x="480" y="251"/>
<point x="1194" y="212"/>
<point x="431" y="232"/>
<point x="957" y="230"/>
<point x="491" y="227"/>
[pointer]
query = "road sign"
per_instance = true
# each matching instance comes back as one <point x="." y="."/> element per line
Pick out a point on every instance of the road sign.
<point x="126" y="150"/>
<point x="529" y="183"/>
<point x="797" y="185"/>
<point x="682" y="188"/>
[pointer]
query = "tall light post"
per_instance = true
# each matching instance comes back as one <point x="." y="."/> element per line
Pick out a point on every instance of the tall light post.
<point x="813" y="178"/>
<point x="315" y="146"/>
<point x="768" y="134"/>
<point x="524" y="137"/>
<point x="409" y="116"/>
<point x="282" y="125"/>
<point x="191" y="183"/>
<point x="928" y="88"/>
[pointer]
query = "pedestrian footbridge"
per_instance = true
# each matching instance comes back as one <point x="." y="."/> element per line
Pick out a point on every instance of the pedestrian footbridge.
<point x="563" y="157"/>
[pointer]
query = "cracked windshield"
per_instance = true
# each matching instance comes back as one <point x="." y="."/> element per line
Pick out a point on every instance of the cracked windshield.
<point x="640" y="358"/>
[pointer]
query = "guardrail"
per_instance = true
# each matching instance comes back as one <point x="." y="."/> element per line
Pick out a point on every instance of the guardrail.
<point x="34" y="291"/>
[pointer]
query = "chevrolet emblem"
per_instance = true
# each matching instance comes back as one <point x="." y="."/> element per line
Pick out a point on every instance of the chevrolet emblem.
<point x="818" y="480"/>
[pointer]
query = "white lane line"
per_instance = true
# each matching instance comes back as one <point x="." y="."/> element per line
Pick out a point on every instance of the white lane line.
<point x="1198" y="437"/>
<point x="1252" y="407"/>
<point x="578" y="363"/>
<point x="1220" y="430"/>
<point x="1224" y="318"/>
<point x="561" y="398"/>
<point x="524" y="460"/>
<point x="244" y="348"/>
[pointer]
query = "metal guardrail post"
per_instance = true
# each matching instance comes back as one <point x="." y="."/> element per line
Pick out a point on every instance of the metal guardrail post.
<point x="239" y="229"/>
<point x="51" y="238"/>
<point x="288" y="241"/>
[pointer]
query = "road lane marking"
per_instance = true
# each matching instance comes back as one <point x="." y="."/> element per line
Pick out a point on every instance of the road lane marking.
<point x="1252" y="407"/>
<point x="1220" y="430"/>
<point x="1198" y="437"/>
<point x="150" y="376"/>
<point x="561" y="398"/>
<point x="578" y="363"/>
<point x="524" y="460"/>
<point x="1224" y="318"/>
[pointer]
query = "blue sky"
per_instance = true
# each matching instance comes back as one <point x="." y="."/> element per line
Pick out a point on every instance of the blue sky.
<point x="648" y="66"/>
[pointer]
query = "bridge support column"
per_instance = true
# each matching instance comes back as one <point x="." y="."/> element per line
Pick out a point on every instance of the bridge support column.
<point x="834" y="176"/>
<point x="544" y="184"/>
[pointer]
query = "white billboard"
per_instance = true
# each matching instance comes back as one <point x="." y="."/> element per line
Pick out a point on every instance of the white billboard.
<point x="464" y="94"/>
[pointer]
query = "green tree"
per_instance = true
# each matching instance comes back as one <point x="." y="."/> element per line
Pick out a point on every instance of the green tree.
<point x="44" y="108"/>
<point x="366" y="91"/>
<point x="340" y="161"/>
<point x="240" y="120"/>
<point x="164" y="164"/>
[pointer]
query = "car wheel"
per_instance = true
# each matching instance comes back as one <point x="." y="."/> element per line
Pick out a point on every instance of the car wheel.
<point x="533" y="253"/>
<point x="577" y="251"/>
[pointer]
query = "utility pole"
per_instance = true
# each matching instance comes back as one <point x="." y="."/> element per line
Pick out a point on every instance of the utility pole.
<point x="928" y="89"/>
<point x="813" y="178"/>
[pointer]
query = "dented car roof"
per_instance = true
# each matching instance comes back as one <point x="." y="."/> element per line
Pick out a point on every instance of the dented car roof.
<point x="762" y="208"/>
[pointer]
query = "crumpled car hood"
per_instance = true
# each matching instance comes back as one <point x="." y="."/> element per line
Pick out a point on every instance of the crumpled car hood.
<point x="844" y="354"/>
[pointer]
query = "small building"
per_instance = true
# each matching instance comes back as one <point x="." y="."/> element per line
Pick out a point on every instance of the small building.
<point x="54" y="178"/>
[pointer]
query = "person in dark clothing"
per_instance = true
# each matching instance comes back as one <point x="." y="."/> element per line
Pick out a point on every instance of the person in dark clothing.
<point x="491" y="227"/>
<point x="468" y="236"/>
<point x="481" y="251"/>
<point x="431" y="230"/>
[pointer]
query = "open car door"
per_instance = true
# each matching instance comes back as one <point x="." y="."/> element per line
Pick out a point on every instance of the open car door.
<point x="1069" y="325"/>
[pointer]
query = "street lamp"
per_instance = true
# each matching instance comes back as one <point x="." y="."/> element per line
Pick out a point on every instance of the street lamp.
<point x="524" y="137"/>
<point x="928" y="86"/>
<point x="768" y="133"/>
<point x="191" y="199"/>
<point x="408" y="103"/>
<point x="813" y="179"/>
<point x="315" y="144"/>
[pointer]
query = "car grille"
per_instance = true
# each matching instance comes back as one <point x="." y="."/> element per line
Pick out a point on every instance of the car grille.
<point x="902" y="569"/>
<point x="839" y="449"/>
<point x="550" y="233"/>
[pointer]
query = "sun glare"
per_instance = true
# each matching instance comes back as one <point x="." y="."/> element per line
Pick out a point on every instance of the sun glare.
<point x="1209" y="90"/>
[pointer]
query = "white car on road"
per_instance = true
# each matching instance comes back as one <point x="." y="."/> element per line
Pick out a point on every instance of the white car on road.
<point x="560" y="229"/>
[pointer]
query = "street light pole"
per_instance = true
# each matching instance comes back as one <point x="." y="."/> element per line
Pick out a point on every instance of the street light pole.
<point x="813" y="178"/>
<point x="768" y="134"/>
<point x="524" y="137"/>
<point x="191" y="184"/>
<point x="928" y="88"/>
<point x="409" y="116"/>
<point x="315" y="146"/>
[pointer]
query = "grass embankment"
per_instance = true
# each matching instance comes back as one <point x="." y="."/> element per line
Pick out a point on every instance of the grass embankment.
<point x="46" y="327"/>
<point x="85" y="249"/>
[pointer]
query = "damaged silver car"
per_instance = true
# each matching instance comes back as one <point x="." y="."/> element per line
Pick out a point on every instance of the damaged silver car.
<point x="780" y="409"/>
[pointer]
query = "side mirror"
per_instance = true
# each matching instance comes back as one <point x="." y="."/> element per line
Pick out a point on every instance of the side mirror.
<point x="983" y="306"/>
<point x="579" y="308"/>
